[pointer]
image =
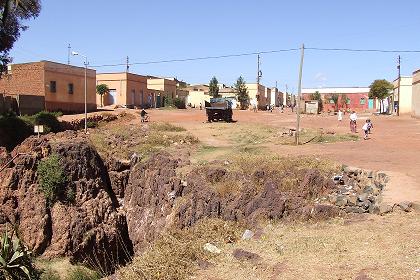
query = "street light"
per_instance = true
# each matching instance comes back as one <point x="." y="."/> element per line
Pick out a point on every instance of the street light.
<point x="86" y="64"/>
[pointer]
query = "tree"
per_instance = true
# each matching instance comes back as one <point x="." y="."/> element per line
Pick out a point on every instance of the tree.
<point x="214" y="88"/>
<point x="334" y="98"/>
<point x="344" y="100"/>
<point x="242" y="93"/>
<point x="12" y="15"/>
<point x="317" y="96"/>
<point x="380" y="89"/>
<point x="102" y="89"/>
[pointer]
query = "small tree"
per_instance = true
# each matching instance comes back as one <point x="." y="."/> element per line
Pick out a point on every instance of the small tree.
<point x="214" y="88"/>
<point x="317" y="96"/>
<point x="242" y="93"/>
<point x="102" y="89"/>
<point x="380" y="89"/>
<point x="344" y="100"/>
<point x="334" y="98"/>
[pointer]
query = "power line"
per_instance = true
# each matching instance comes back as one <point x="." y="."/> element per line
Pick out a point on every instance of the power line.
<point x="196" y="58"/>
<point x="362" y="50"/>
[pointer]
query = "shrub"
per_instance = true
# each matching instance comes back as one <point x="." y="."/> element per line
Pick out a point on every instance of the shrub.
<point x="13" y="130"/>
<point x="80" y="273"/>
<point x="50" y="275"/>
<point x="52" y="178"/>
<point x="47" y="119"/>
<point x="15" y="259"/>
<point x="92" y="124"/>
<point x="169" y="101"/>
<point x="179" y="103"/>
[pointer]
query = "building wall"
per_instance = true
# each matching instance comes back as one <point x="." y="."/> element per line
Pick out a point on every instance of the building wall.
<point x="63" y="75"/>
<point x="195" y="97"/>
<point x="406" y="87"/>
<point x="168" y="87"/>
<point x="415" y="105"/>
<point x="257" y="94"/>
<point x="359" y="98"/>
<point x="34" y="79"/>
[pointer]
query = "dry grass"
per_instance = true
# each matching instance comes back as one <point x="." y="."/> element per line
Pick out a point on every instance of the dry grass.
<point x="175" y="254"/>
<point x="380" y="247"/>
<point x="124" y="140"/>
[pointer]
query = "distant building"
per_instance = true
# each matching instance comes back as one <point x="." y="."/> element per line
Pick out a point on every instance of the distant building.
<point x="405" y="101"/>
<point x="415" y="105"/>
<point x="163" y="89"/>
<point x="258" y="95"/>
<point x="197" y="94"/>
<point x="352" y="98"/>
<point x="125" y="89"/>
<point x="51" y="86"/>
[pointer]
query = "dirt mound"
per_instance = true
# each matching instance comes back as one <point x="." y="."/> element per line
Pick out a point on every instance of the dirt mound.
<point x="91" y="228"/>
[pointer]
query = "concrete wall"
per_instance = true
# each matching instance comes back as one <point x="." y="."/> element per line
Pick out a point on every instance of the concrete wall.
<point x="195" y="97"/>
<point x="415" y="105"/>
<point x="34" y="79"/>
<point x="62" y="99"/>
<point x="405" y="101"/>
<point x="257" y="93"/>
<point x="168" y="87"/>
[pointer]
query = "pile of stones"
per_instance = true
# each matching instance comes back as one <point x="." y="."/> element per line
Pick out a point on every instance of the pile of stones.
<point x="358" y="191"/>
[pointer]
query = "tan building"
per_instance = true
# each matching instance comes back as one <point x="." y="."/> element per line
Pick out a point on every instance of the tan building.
<point x="60" y="87"/>
<point x="415" y="105"/>
<point x="125" y="89"/>
<point x="406" y="88"/>
<point x="197" y="94"/>
<point x="163" y="89"/>
<point x="258" y="94"/>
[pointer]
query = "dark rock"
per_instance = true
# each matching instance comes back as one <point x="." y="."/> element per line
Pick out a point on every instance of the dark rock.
<point x="405" y="206"/>
<point x="341" y="200"/>
<point x="243" y="255"/>
<point x="384" y="209"/>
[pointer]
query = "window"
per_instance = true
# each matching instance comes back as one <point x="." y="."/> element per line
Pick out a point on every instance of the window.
<point x="362" y="101"/>
<point x="70" y="88"/>
<point x="53" y="86"/>
<point x="348" y="101"/>
<point x="332" y="101"/>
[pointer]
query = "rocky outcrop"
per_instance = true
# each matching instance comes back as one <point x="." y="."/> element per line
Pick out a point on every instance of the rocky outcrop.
<point x="156" y="198"/>
<point x="90" y="229"/>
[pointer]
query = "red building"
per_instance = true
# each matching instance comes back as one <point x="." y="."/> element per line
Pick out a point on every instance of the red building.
<point x="351" y="98"/>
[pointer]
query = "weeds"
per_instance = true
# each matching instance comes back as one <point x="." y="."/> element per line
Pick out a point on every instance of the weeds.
<point x="176" y="253"/>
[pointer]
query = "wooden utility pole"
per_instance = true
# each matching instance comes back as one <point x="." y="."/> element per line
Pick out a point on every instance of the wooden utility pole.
<point x="299" y="96"/>
<point x="127" y="65"/>
<point x="399" y="86"/>
<point x="68" y="54"/>
<point x="259" y="74"/>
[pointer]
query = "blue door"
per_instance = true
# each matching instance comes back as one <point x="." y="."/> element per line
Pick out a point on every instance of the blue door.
<point x="370" y="104"/>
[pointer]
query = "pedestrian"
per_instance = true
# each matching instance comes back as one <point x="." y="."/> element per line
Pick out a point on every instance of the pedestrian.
<point x="353" y="122"/>
<point x="340" y="115"/>
<point x="365" y="129"/>
<point x="201" y="106"/>
<point x="282" y="108"/>
<point x="370" y="125"/>
<point x="144" y="116"/>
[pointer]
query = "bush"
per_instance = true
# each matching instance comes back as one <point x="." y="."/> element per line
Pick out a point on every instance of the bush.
<point x="13" y="130"/>
<point x="15" y="260"/>
<point x="52" y="179"/>
<point x="92" y="124"/>
<point x="169" y="101"/>
<point x="80" y="273"/>
<point x="179" y="103"/>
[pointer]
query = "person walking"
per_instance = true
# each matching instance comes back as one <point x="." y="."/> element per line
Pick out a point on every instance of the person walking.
<point x="340" y="115"/>
<point x="366" y="128"/>
<point x="353" y="122"/>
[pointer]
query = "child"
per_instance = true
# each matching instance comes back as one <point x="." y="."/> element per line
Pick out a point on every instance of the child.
<point x="370" y="125"/>
<point x="366" y="128"/>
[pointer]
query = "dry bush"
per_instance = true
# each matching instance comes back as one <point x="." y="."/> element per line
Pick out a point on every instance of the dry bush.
<point x="176" y="253"/>
<point x="158" y="126"/>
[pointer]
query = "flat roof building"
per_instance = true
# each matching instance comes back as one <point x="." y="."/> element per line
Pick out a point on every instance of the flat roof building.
<point x="60" y="86"/>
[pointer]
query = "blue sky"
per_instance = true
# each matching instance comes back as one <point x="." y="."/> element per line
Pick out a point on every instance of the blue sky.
<point x="108" y="31"/>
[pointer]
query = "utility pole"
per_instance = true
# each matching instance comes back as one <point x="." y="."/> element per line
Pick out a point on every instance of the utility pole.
<point x="399" y="86"/>
<point x="68" y="54"/>
<point x="259" y="73"/>
<point x="127" y="64"/>
<point x="285" y="97"/>
<point x="299" y="95"/>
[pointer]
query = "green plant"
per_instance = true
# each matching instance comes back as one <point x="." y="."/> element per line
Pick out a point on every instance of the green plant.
<point x="380" y="89"/>
<point x="13" y="130"/>
<point x="92" y="124"/>
<point x="15" y="259"/>
<point x="52" y="178"/>
<point x="179" y="103"/>
<point x="169" y="101"/>
<point x="47" y="119"/>
<point x="102" y="89"/>
<point x="214" y="87"/>
<point x="81" y="273"/>
<point x="242" y="93"/>
<point x="166" y="127"/>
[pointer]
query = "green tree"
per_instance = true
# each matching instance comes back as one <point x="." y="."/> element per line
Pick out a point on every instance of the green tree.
<point x="335" y="97"/>
<point x="380" y="89"/>
<point x="344" y="100"/>
<point x="102" y="89"/>
<point x="242" y="93"/>
<point x="13" y="14"/>
<point x="213" y="87"/>
<point x="317" y="96"/>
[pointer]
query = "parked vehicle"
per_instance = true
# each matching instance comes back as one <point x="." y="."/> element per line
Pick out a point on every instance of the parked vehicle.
<point x="219" y="109"/>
